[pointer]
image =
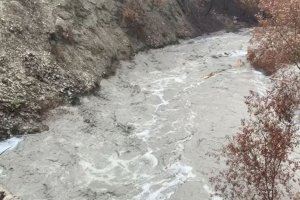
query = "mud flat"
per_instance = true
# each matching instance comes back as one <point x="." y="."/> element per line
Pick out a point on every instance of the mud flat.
<point x="147" y="133"/>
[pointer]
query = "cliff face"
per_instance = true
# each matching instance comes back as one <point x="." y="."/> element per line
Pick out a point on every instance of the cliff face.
<point x="52" y="51"/>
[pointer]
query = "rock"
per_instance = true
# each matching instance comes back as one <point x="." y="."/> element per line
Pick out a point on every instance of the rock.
<point x="5" y="195"/>
<point x="239" y="63"/>
<point x="297" y="196"/>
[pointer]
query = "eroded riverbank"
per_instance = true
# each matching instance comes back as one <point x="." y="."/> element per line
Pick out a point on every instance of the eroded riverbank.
<point x="147" y="133"/>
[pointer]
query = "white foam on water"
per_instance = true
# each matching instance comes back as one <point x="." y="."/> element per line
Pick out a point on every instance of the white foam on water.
<point x="145" y="131"/>
<point x="9" y="144"/>
<point x="164" y="189"/>
<point x="133" y="169"/>
<point x="193" y="86"/>
<point x="157" y="89"/>
<point x="160" y="85"/>
<point x="238" y="53"/>
<point x="177" y="173"/>
<point x="144" y="135"/>
<point x="150" y="157"/>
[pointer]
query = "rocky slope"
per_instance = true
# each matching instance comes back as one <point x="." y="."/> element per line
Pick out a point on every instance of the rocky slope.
<point x="52" y="51"/>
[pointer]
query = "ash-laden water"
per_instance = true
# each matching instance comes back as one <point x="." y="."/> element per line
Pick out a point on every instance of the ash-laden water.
<point x="147" y="134"/>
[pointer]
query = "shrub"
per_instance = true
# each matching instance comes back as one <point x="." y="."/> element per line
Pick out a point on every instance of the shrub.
<point x="258" y="159"/>
<point x="130" y="16"/>
<point x="276" y="42"/>
<point x="133" y="16"/>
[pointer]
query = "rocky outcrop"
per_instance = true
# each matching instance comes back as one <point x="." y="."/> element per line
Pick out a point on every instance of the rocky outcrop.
<point x="53" y="51"/>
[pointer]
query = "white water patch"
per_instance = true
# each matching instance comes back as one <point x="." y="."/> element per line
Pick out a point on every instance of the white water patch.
<point x="134" y="169"/>
<point x="238" y="53"/>
<point x="9" y="144"/>
<point x="163" y="185"/>
<point x="158" y="87"/>
<point x="178" y="174"/>
<point x="144" y="135"/>
<point x="150" y="158"/>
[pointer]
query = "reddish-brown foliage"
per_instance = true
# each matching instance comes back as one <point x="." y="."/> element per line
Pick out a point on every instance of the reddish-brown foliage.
<point x="277" y="41"/>
<point x="132" y="13"/>
<point x="259" y="164"/>
<point x="136" y="15"/>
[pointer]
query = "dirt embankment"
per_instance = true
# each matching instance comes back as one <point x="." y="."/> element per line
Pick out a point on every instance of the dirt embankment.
<point x="53" y="51"/>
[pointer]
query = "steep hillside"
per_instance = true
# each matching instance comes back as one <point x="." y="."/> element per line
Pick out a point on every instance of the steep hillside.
<point x="54" y="51"/>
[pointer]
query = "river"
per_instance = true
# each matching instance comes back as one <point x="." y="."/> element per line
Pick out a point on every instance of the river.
<point x="147" y="134"/>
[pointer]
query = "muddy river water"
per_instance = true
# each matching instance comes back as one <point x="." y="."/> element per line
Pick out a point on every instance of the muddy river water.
<point x="147" y="134"/>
